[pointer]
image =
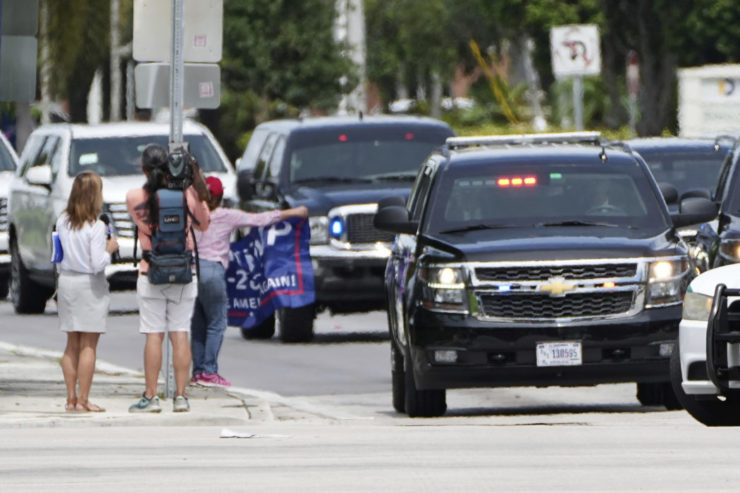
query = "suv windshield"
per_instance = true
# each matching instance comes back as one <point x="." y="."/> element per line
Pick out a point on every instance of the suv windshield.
<point x="371" y="154"/>
<point x="542" y="196"/>
<point x="686" y="170"/>
<point x="6" y="160"/>
<point x="116" y="156"/>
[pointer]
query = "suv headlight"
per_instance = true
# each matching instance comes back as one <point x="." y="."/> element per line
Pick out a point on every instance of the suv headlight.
<point x="443" y="288"/>
<point x="319" y="226"/>
<point x="666" y="281"/>
<point x="730" y="249"/>
<point x="696" y="306"/>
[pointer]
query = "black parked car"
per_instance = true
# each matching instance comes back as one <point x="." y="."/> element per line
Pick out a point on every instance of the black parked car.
<point x="339" y="167"/>
<point x="533" y="260"/>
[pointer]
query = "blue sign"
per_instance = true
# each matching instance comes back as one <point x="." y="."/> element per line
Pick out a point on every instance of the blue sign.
<point x="270" y="268"/>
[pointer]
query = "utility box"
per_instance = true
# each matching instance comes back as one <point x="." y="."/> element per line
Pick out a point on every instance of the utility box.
<point x="709" y="100"/>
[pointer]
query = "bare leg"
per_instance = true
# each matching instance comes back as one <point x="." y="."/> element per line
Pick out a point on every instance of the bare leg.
<point x="181" y="359"/>
<point x="86" y="366"/>
<point x="152" y="362"/>
<point x="69" y="363"/>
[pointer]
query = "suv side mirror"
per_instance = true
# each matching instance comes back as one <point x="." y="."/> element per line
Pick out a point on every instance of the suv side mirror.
<point x="394" y="218"/>
<point x="39" y="176"/>
<point x="245" y="184"/>
<point x="391" y="200"/>
<point x="694" y="210"/>
<point x="699" y="192"/>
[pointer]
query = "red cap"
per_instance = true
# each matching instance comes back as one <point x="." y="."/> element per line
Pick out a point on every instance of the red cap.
<point x="215" y="186"/>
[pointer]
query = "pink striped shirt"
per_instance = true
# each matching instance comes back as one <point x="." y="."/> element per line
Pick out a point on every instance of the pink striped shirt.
<point x="213" y="243"/>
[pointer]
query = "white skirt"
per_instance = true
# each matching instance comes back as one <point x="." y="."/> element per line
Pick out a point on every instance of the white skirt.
<point x="83" y="301"/>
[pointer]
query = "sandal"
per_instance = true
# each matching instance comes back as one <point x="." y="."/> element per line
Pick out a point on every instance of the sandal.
<point x="89" y="407"/>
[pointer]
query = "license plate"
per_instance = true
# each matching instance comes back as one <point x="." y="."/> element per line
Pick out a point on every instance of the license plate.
<point x="565" y="353"/>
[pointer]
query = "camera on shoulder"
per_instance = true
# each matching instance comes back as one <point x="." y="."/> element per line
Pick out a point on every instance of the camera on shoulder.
<point x="179" y="168"/>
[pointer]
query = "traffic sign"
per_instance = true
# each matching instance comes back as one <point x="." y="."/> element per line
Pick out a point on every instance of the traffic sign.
<point x="575" y="50"/>
<point x="202" y="85"/>
<point x="203" y="34"/>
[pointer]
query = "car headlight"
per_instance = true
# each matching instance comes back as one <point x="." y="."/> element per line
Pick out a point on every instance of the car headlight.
<point x="319" y="226"/>
<point x="666" y="281"/>
<point x="696" y="306"/>
<point x="730" y="249"/>
<point x="443" y="288"/>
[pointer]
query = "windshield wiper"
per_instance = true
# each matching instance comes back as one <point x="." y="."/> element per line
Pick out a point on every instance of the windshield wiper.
<point x="574" y="222"/>
<point x="332" y="179"/>
<point x="398" y="177"/>
<point x="479" y="227"/>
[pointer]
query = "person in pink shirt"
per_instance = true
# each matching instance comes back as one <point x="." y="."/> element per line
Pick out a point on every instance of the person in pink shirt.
<point x="164" y="307"/>
<point x="210" y="312"/>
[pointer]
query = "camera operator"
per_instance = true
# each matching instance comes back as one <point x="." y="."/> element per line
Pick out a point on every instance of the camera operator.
<point x="166" y="307"/>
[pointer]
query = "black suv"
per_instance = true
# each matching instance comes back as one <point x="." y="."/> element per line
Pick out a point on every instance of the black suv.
<point x="339" y="167"/>
<point x="540" y="260"/>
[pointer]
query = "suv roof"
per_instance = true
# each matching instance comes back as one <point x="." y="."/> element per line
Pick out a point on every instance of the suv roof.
<point x="345" y="121"/>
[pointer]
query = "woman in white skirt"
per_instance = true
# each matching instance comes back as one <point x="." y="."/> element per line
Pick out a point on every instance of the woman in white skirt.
<point x="82" y="289"/>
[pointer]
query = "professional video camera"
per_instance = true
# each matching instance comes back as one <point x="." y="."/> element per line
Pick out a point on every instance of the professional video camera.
<point x="179" y="168"/>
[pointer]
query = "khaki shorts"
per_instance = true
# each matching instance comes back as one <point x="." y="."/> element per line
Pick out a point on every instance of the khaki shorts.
<point x="165" y="307"/>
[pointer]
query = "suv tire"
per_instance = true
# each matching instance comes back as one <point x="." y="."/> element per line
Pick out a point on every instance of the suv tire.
<point x="658" y="394"/>
<point x="708" y="410"/>
<point x="4" y="286"/>
<point x="398" y="378"/>
<point x="296" y="324"/>
<point x="265" y="330"/>
<point x="26" y="295"/>
<point x="422" y="403"/>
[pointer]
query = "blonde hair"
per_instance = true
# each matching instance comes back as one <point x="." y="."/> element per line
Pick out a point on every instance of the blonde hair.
<point x="85" y="200"/>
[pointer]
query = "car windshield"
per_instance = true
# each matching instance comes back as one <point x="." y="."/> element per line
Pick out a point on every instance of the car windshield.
<point x="116" y="156"/>
<point x="548" y="196"/>
<point x="6" y="159"/>
<point x="362" y="156"/>
<point x="686" y="170"/>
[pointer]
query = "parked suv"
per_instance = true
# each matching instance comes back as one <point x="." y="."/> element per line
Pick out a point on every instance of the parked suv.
<point x="8" y="165"/>
<point x="339" y="167"/>
<point x="533" y="260"/>
<point x="53" y="155"/>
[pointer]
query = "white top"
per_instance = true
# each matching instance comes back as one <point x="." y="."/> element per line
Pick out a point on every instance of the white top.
<point x="84" y="249"/>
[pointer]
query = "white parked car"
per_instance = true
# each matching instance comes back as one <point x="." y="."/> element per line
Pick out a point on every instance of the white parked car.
<point x="705" y="365"/>
<point x="54" y="154"/>
<point x="8" y="165"/>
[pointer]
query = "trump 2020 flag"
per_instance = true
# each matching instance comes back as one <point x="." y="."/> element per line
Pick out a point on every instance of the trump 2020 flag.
<point x="270" y="268"/>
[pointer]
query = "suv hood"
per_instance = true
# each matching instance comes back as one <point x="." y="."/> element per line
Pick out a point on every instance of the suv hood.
<point x="565" y="248"/>
<point x="321" y="199"/>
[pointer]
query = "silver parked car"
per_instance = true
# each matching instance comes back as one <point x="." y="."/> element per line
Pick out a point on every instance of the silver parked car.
<point x="8" y="165"/>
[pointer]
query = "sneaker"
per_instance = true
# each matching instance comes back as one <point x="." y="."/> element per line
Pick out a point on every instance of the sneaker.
<point x="145" y="405"/>
<point x="213" y="379"/>
<point x="195" y="379"/>
<point x="180" y="404"/>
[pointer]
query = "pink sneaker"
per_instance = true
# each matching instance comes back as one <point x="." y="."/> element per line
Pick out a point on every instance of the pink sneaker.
<point x="213" y="379"/>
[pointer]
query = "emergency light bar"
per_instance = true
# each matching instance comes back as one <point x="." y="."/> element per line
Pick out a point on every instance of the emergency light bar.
<point x="593" y="138"/>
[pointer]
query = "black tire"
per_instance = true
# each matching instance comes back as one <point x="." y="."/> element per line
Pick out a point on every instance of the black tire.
<point x="658" y="394"/>
<point x="26" y="295"/>
<point x="265" y="330"/>
<point x="422" y="403"/>
<point x="296" y="324"/>
<point x="708" y="410"/>
<point x="398" y="378"/>
<point x="4" y="286"/>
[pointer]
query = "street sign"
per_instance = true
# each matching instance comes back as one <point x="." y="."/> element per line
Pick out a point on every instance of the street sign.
<point x="202" y="85"/>
<point x="575" y="50"/>
<point x="18" y="50"/>
<point x="203" y="35"/>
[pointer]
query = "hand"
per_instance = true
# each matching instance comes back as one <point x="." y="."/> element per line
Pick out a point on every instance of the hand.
<point x="111" y="245"/>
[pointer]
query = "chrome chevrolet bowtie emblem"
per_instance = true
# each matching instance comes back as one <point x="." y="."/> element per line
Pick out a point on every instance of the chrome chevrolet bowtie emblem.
<point x="556" y="286"/>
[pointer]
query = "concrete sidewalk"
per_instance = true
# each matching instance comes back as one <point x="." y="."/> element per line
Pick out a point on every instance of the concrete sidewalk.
<point x="32" y="394"/>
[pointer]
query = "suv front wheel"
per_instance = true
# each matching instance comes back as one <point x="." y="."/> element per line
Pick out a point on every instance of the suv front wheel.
<point x="296" y="324"/>
<point x="421" y="403"/>
<point x="26" y="295"/>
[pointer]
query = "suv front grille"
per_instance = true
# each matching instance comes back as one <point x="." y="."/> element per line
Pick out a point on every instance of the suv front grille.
<point x="545" y="307"/>
<point x="3" y="214"/>
<point x="542" y="273"/>
<point x="122" y="222"/>
<point x="360" y="230"/>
